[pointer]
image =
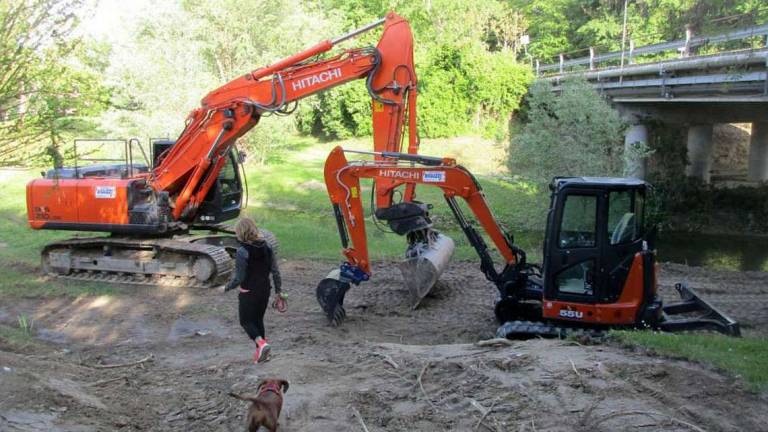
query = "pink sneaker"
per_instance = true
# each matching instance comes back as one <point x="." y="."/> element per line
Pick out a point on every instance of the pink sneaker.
<point x="262" y="351"/>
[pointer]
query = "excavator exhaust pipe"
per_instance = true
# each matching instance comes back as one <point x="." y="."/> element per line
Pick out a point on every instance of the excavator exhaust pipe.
<point x="424" y="264"/>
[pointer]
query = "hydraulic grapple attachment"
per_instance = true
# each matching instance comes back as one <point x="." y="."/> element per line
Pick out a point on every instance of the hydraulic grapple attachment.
<point x="693" y="313"/>
<point x="425" y="262"/>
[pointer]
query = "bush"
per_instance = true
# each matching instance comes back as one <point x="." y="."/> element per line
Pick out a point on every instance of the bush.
<point x="575" y="133"/>
<point x="461" y="90"/>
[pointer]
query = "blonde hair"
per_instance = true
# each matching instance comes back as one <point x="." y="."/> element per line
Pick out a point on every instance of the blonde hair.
<point x="246" y="230"/>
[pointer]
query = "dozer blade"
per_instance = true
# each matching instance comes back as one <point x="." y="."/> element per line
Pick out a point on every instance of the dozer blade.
<point x="425" y="265"/>
<point x="330" y="294"/>
<point x="699" y="315"/>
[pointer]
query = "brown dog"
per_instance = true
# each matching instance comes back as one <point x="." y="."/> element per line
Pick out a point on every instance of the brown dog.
<point x="266" y="405"/>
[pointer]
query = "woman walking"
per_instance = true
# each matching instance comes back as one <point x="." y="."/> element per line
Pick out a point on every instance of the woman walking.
<point x="254" y="262"/>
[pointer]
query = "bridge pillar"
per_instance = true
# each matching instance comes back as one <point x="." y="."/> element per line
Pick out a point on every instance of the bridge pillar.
<point x="699" y="152"/>
<point x="758" y="152"/>
<point x="634" y="166"/>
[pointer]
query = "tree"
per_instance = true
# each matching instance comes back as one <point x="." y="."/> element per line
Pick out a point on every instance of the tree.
<point x="163" y="71"/>
<point x="575" y="133"/>
<point x="460" y="46"/>
<point x="50" y="82"/>
<point x="572" y="26"/>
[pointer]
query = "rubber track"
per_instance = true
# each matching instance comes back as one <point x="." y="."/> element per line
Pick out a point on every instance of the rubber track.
<point x="224" y="264"/>
<point x="530" y="329"/>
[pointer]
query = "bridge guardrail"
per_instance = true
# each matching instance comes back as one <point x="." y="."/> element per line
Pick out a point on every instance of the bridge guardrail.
<point x="682" y="45"/>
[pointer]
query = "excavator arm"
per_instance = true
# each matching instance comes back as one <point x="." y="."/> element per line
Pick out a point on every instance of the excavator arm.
<point x="191" y="166"/>
<point x="342" y="179"/>
<point x="389" y="171"/>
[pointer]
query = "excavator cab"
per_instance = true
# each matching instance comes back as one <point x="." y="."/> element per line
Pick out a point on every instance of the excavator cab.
<point x="599" y="268"/>
<point x="224" y="200"/>
<point x="595" y="227"/>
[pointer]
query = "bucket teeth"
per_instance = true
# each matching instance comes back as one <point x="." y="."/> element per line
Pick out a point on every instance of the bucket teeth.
<point x="338" y="316"/>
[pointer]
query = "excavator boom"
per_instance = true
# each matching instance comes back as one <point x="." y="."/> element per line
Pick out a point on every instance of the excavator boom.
<point x="430" y="251"/>
<point x="192" y="164"/>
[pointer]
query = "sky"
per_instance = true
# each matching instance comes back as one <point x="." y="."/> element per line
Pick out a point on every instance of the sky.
<point x="106" y="18"/>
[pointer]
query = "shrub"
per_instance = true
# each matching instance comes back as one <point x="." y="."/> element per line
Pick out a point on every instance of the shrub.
<point x="575" y="133"/>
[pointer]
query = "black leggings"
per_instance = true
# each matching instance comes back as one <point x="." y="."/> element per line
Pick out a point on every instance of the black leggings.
<point x="252" y="307"/>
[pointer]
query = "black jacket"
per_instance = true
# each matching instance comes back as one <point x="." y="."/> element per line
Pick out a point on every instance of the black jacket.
<point x="242" y="259"/>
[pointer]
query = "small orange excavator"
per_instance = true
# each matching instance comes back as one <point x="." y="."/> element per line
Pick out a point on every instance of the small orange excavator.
<point x="599" y="265"/>
<point x="194" y="182"/>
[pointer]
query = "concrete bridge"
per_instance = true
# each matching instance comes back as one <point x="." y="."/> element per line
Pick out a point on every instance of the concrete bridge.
<point x="693" y="90"/>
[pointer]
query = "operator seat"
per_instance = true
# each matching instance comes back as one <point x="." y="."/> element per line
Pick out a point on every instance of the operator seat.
<point x="625" y="229"/>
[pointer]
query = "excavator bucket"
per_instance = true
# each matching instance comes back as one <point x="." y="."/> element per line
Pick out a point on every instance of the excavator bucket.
<point x="694" y="313"/>
<point x="423" y="266"/>
<point x="330" y="294"/>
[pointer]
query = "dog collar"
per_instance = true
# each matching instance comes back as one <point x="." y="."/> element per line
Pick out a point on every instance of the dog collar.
<point x="273" y="387"/>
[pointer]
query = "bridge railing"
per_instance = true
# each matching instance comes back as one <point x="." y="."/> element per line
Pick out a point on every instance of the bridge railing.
<point x="684" y="46"/>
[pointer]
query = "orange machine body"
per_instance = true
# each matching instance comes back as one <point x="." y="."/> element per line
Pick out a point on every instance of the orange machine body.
<point x="343" y="182"/>
<point x="95" y="204"/>
<point x="625" y="311"/>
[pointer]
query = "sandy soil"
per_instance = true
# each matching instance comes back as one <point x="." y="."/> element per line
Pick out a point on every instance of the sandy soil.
<point x="199" y="354"/>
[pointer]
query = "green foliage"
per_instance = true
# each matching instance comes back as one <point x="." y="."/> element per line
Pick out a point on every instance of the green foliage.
<point x="469" y="80"/>
<point x="15" y="339"/>
<point x="575" y="133"/>
<point x="152" y="70"/>
<point x="687" y="204"/>
<point x="51" y="81"/>
<point x="681" y="203"/>
<point x="340" y="113"/>
<point x="745" y="357"/>
<point x="163" y="71"/>
<point x="26" y="324"/>
<point x="572" y="26"/>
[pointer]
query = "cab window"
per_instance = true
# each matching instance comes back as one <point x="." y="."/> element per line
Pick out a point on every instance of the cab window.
<point x="579" y="222"/>
<point x="623" y="219"/>
<point x="577" y="279"/>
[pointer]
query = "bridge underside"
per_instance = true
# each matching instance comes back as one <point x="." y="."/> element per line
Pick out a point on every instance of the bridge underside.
<point x="693" y="91"/>
<point x="698" y="115"/>
<point x="707" y="110"/>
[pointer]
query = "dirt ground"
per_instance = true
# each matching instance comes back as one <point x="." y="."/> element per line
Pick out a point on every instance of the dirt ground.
<point x="199" y="354"/>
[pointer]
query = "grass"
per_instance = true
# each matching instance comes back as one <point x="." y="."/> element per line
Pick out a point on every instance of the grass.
<point x="745" y="357"/>
<point x="15" y="338"/>
<point x="26" y="324"/>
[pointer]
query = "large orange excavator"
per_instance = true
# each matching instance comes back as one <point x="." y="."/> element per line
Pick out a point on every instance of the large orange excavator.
<point x="194" y="182"/>
<point x="599" y="265"/>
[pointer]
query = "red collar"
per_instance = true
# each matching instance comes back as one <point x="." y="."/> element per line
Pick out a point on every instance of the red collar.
<point x="271" y="386"/>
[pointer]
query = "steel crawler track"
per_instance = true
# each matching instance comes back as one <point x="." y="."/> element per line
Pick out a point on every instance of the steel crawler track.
<point x="164" y="262"/>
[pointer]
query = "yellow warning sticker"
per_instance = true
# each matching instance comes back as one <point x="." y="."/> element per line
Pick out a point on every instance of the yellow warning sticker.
<point x="378" y="106"/>
<point x="354" y="192"/>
